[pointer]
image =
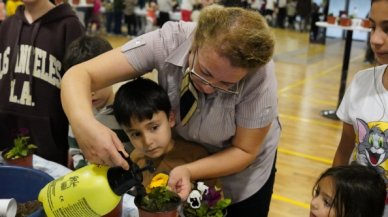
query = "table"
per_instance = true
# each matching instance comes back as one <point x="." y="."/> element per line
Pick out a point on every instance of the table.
<point x="345" y="62"/>
<point x="56" y="170"/>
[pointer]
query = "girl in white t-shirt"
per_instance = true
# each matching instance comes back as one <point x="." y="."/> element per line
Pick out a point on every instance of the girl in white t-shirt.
<point x="364" y="108"/>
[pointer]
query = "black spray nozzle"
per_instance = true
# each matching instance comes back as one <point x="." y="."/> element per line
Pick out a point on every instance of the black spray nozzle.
<point x="122" y="181"/>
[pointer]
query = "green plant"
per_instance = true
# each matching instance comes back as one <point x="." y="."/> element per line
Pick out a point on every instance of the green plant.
<point x="206" y="201"/>
<point x="21" y="148"/>
<point x="159" y="198"/>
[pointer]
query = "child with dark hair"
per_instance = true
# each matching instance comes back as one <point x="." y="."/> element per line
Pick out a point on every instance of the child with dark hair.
<point x="348" y="191"/>
<point x="80" y="50"/>
<point x="363" y="109"/>
<point x="33" y="41"/>
<point x="143" y="109"/>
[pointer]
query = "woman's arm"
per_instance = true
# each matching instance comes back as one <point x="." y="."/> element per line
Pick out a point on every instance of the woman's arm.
<point x="345" y="146"/>
<point x="99" y="144"/>
<point x="245" y="147"/>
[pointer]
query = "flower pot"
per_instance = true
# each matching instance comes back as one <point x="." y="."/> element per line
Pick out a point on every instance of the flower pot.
<point x="145" y="213"/>
<point x="331" y="19"/>
<point x="22" y="161"/>
<point x="345" y="22"/>
<point x="172" y="212"/>
<point x="366" y="23"/>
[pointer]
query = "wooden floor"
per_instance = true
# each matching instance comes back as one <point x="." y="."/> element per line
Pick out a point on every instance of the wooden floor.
<point x="309" y="78"/>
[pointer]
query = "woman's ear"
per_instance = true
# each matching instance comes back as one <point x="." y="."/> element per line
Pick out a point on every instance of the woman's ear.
<point x="171" y="119"/>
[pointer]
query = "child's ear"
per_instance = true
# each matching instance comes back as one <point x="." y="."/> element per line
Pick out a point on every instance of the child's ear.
<point x="171" y="119"/>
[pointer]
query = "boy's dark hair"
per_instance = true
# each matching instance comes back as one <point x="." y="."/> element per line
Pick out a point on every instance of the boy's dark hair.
<point x="140" y="99"/>
<point x="84" y="48"/>
<point x="359" y="191"/>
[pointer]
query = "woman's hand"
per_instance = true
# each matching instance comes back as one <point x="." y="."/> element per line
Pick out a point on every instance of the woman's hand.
<point x="100" y="145"/>
<point x="180" y="181"/>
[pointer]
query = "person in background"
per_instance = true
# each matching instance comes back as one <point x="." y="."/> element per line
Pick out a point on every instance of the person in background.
<point x="291" y="13"/>
<point x="282" y="13"/>
<point x="303" y="10"/>
<point x="109" y="16"/>
<point x="118" y="7"/>
<point x="196" y="12"/>
<point x="130" y="17"/>
<point x="95" y="20"/>
<point x="32" y="47"/>
<point x="348" y="191"/>
<point x="80" y="50"/>
<point x="143" y="109"/>
<point x="186" y="9"/>
<point x="270" y="11"/>
<point x="363" y="110"/>
<point x="221" y="82"/>
<point x="141" y="16"/>
<point x="315" y="17"/>
<point x="151" y="17"/>
<point x="165" y="8"/>
<point x="2" y="11"/>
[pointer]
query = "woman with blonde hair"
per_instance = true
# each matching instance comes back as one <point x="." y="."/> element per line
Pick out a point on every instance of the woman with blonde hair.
<point x="221" y="82"/>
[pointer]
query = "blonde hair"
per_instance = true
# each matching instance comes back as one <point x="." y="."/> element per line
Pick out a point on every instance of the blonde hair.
<point x="241" y="35"/>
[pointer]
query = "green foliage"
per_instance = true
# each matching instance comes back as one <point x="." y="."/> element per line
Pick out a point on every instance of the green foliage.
<point x="160" y="199"/>
<point x="205" y="211"/>
<point x="21" y="148"/>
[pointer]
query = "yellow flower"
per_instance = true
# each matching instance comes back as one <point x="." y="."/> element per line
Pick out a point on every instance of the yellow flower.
<point x="160" y="180"/>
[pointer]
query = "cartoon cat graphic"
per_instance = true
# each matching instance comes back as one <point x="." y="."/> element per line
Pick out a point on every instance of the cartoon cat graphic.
<point x="373" y="146"/>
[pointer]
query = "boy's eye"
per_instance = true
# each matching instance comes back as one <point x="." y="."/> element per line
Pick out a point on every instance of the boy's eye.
<point x="154" y="127"/>
<point x="134" y="135"/>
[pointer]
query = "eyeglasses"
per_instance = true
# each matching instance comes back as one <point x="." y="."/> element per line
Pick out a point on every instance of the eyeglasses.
<point x="231" y="89"/>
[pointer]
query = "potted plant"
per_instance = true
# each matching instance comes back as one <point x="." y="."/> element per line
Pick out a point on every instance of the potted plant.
<point x="20" y="154"/>
<point x="205" y="201"/>
<point x="366" y="23"/>
<point x="330" y="18"/>
<point x="159" y="200"/>
<point x="345" y="21"/>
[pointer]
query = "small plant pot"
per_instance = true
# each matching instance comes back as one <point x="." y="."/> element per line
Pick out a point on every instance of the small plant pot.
<point x="366" y="23"/>
<point x="173" y="212"/>
<point x="345" y="22"/>
<point x="21" y="161"/>
<point x="331" y="19"/>
<point x="145" y="213"/>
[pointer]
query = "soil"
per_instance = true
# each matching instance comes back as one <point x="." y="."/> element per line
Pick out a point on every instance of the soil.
<point x="25" y="209"/>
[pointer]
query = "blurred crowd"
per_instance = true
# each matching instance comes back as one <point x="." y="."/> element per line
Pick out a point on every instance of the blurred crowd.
<point x="135" y="17"/>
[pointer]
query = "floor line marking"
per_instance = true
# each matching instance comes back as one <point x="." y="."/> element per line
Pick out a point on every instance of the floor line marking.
<point x="316" y="122"/>
<point x="320" y="74"/>
<point x="303" y="81"/>
<point x="306" y="156"/>
<point x="291" y="201"/>
<point x="315" y="101"/>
